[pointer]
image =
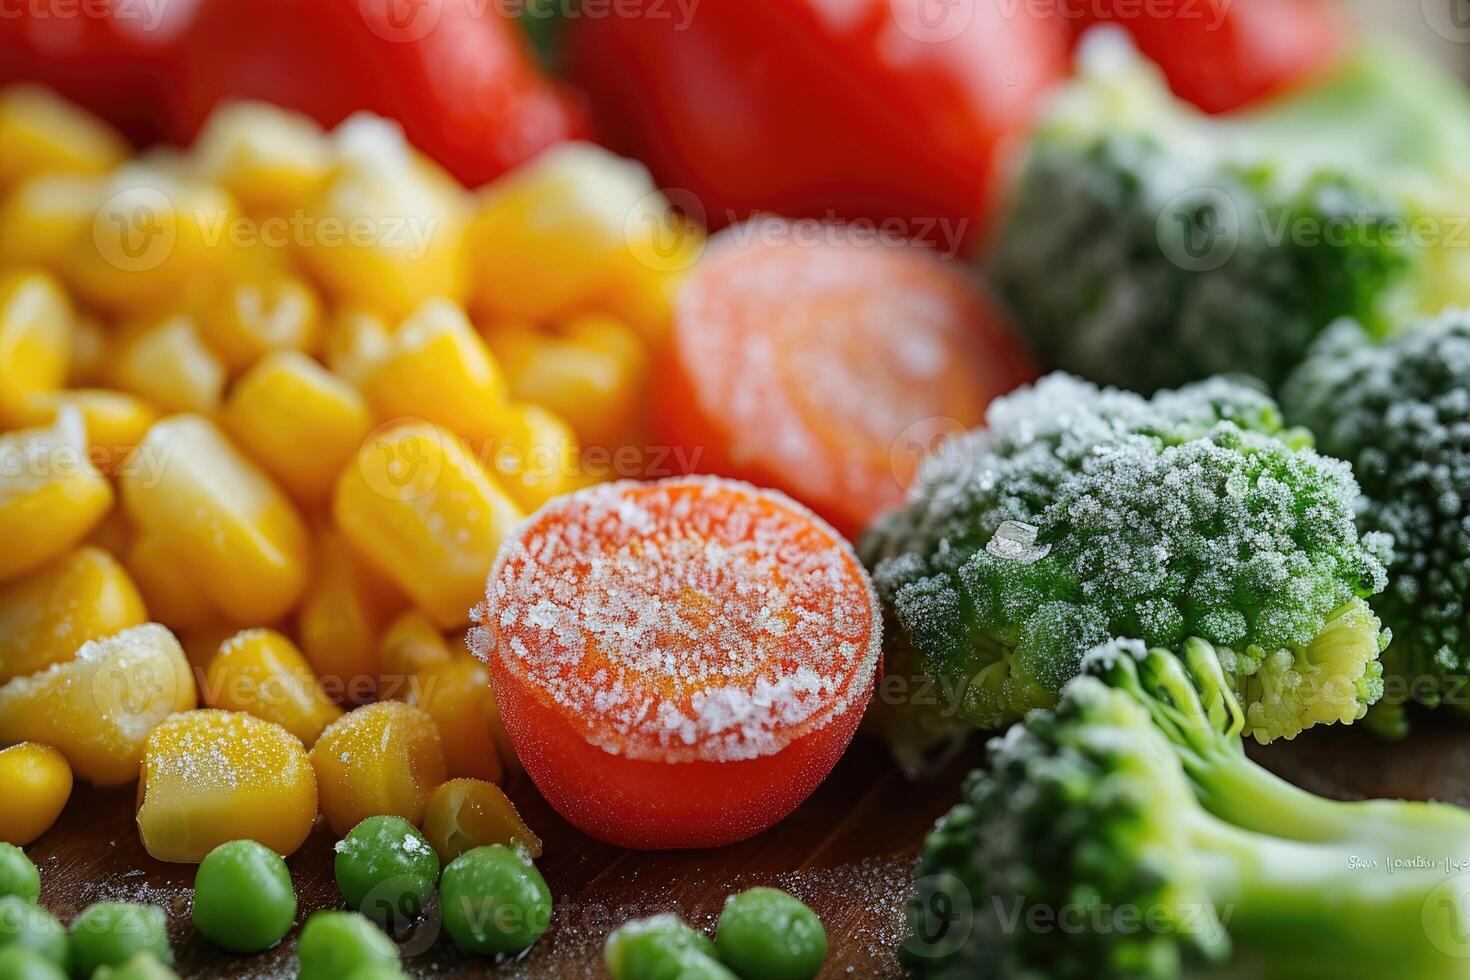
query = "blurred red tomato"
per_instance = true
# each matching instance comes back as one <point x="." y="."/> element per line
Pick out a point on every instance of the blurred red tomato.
<point x="851" y="109"/>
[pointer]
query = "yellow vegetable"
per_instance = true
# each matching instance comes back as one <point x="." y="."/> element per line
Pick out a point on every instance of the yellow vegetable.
<point x="98" y="708"/>
<point x="465" y="814"/>
<point x="534" y="453"/>
<point x="35" y="340"/>
<point x="270" y="158"/>
<point x="35" y="783"/>
<point x="457" y="696"/>
<point x="339" y="619"/>
<point x="173" y="596"/>
<point x="229" y="528"/>
<point x="260" y="672"/>
<point x="116" y="421"/>
<point x="249" y="319"/>
<point x="44" y="133"/>
<point x="215" y="776"/>
<point x="47" y="615"/>
<point x="410" y="644"/>
<point x="357" y="342"/>
<point x="384" y="758"/>
<point x="170" y="366"/>
<point x="43" y="215"/>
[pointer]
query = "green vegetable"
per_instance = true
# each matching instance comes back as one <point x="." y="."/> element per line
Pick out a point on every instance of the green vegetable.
<point x="111" y="933"/>
<point x="386" y="869"/>
<point x="377" y="971"/>
<point x="766" y="934"/>
<point x="335" y="944"/>
<point x="1148" y="245"/>
<point x="18" y="876"/>
<point x="662" y="948"/>
<point x="1123" y="836"/>
<point x="31" y="927"/>
<point x="22" y="964"/>
<point x="243" y="897"/>
<point x="142" y="966"/>
<point x="494" y="901"/>
<point x="1399" y="411"/>
<point x="1080" y="514"/>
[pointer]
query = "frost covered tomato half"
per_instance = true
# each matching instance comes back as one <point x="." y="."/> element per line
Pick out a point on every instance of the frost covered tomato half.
<point x="679" y="663"/>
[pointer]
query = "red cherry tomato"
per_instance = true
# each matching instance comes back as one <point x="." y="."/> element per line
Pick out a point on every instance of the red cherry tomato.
<point x="865" y="109"/>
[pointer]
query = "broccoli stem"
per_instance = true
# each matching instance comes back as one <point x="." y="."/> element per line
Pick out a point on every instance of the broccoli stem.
<point x="1308" y="910"/>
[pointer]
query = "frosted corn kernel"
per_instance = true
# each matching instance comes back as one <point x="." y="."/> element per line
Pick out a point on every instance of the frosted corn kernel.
<point x="423" y="510"/>
<point x="257" y="316"/>
<point x="534" y="454"/>
<point x="41" y="218"/>
<point x="35" y="783"/>
<point x="357" y="342"/>
<point x="270" y="158"/>
<point x="98" y="708"/>
<point x="410" y="644"/>
<point x="340" y="618"/>
<point x="261" y="673"/>
<point x="464" y="814"/>
<point x="299" y="421"/>
<point x="223" y="521"/>
<point x="116" y="421"/>
<point x="51" y="496"/>
<point x="169" y="365"/>
<point x="438" y="369"/>
<point x="173" y="596"/>
<point x="44" y="133"/>
<point x="457" y="696"/>
<point x="35" y="340"/>
<point x="215" y="776"/>
<point x="381" y="759"/>
<point x="551" y="235"/>
<point x="413" y="216"/>
<point x="47" y="615"/>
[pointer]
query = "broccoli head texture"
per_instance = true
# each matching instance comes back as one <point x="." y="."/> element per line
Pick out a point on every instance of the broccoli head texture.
<point x="1148" y="245"/>
<point x="1080" y="513"/>
<point x="1399" y="411"/>
<point x="1125" y="835"/>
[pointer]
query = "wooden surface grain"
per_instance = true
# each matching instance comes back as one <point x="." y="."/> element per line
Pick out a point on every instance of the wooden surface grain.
<point x="847" y="852"/>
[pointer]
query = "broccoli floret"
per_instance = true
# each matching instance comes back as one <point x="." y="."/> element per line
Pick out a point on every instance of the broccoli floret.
<point x="1082" y="851"/>
<point x="1148" y="245"/>
<point x="1080" y="514"/>
<point x="1399" y="411"/>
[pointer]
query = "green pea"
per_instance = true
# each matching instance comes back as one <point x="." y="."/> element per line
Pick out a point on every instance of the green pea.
<point x="765" y="934"/>
<point x="386" y="869"/>
<point x="30" y="927"/>
<point x="494" y="901"/>
<point x="143" y="966"/>
<point x="662" y="948"/>
<point x="18" y="876"/>
<point x="335" y="944"/>
<point x="17" y="963"/>
<point x="111" y="933"/>
<point x="243" y="899"/>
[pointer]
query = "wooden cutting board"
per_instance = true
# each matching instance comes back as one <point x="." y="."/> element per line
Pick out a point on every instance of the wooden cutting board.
<point x="847" y="852"/>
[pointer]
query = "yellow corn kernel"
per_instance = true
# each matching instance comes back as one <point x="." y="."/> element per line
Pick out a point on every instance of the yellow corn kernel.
<point x="410" y="644"/>
<point x="228" y="527"/>
<point x="399" y="226"/>
<point x="48" y="614"/>
<point x="44" y="133"/>
<point x="642" y="295"/>
<point x="42" y="216"/>
<point x="215" y="776"/>
<point x="35" y="340"/>
<point x="339" y="619"/>
<point x="169" y="365"/>
<point x="421" y="508"/>
<point x="172" y="595"/>
<point x="35" y="783"/>
<point x="51" y="496"/>
<point x="152" y="238"/>
<point x="383" y="758"/>
<point x="98" y="708"/>
<point x="357" y="342"/>
<point x="534" y="454"/>
<point x="270" y="158"/>
<point x="257" y="316"/>
<point x="551" y="235"/>
<point x="116" y="421"/>
<point x="465" y="814"/>
<point x="299" y="421"/>
<point x="438" y="369"/>
<point x="457" y="696"/>
<point x="260" y="672"/>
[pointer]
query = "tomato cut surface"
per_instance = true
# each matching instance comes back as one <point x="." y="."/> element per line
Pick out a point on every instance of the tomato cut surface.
<point x="679" y="663"/>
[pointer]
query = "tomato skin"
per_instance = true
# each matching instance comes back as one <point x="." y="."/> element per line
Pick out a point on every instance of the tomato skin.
<point x="857" y="110"/>
<point x="1226" y="54"/>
